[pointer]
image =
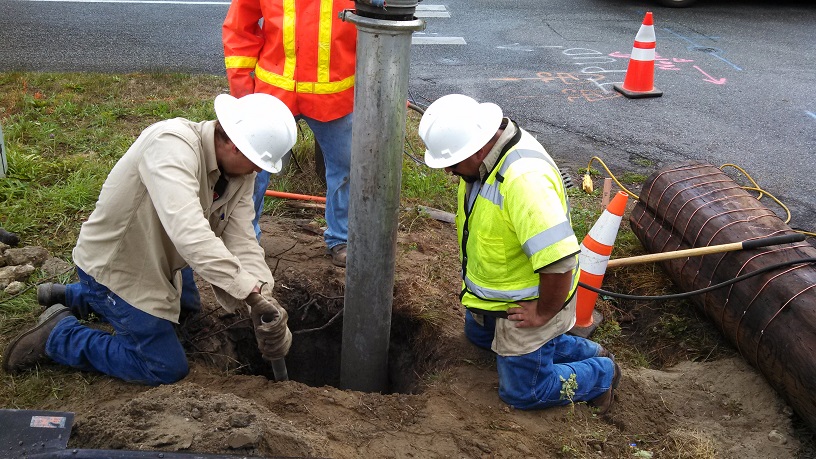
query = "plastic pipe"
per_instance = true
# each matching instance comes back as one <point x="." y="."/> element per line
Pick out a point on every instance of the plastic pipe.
<point x="302" y="197"/>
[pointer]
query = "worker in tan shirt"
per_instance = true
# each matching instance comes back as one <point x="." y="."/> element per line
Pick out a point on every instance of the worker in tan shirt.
<point x="180" y="196"/>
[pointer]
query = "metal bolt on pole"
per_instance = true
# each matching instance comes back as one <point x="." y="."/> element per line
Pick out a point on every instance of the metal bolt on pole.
<point x="378" y="135"/>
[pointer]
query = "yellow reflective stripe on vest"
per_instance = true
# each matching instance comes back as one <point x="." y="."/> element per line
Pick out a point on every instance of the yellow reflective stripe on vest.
<point x="324" y="42"/>
<point x="303" y="87"/>
<point x="287" y="84"/>
<point x="288" y="28"/>
<point x="286" y="81"/>
<point x="240" y="62"/>
<point x="325" y="88"/>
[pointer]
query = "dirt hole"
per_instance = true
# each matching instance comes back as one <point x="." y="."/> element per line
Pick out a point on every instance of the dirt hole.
<point x="316" y="321"/>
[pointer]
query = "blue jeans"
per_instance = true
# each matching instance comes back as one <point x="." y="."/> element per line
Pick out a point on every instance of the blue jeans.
<point x="143" y="348"/>
<point x="334" y="138"/>
<point x="190" y="298"/>
<point x="533" y="381"/>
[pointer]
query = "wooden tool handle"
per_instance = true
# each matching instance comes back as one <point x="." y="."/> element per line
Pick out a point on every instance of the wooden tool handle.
<point x="751" y="244"/>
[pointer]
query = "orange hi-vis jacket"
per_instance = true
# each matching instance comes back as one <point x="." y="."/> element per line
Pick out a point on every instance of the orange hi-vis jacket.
<point x="302" y="53"/>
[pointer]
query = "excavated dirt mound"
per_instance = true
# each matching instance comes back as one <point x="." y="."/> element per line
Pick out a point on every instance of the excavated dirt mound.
<point x="443" y="399"/>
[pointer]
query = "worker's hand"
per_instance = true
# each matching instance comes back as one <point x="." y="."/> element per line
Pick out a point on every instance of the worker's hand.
<point x="270" y="322"/>
<point x="528" y="314"/>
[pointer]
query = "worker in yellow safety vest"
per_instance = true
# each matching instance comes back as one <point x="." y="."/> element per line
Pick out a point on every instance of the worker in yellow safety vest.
<point x="301" y="52"/>
<point x="519" y="256"/>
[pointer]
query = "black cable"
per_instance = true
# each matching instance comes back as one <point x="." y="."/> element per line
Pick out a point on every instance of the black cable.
<point x="416" y="107"/>
<point x="697" y="292"/>
<point x="414" y="158"/>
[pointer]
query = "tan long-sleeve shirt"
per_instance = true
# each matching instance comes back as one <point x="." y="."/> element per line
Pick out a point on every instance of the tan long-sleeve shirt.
<point x="155" y="215"/>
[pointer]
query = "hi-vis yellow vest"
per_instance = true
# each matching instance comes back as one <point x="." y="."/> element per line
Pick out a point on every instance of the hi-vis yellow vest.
<point x="517" y="222"/>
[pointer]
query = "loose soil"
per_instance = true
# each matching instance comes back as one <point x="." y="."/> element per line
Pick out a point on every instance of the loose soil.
<point x="442" y="399"/>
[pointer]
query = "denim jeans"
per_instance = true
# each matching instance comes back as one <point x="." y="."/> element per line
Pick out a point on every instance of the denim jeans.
<point x="533" y="381"/>
<point x="190" y="297"/>
<point x="143" y="348"/>
<point x="334" y="138"/>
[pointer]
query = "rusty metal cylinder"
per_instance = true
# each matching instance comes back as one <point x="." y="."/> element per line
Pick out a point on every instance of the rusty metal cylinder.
<point x="770" y="318"/>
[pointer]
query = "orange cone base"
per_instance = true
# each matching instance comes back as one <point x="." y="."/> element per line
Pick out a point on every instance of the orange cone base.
<point x="638" y="94"/>
<point x="586" y="332"/>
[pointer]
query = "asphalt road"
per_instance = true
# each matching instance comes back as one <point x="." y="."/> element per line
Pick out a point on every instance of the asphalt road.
<point x="738" y="81"/>
<point x="112" y="36"/>
<point x="738" y="76"/>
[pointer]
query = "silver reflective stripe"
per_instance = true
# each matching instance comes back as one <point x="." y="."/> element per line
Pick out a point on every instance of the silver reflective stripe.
<point x="471" y="193"/>
<point x="516" y="155"/>
<point x="503" y="295"/>
<point x="547" y="238"/>
<point x="490" y="191"/>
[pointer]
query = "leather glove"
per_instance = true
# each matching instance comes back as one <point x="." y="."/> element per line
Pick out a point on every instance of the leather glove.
<point x="270" y="322"/>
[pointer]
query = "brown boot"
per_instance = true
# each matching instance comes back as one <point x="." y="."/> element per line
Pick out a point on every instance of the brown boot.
<point x="604" y="401"/>
<point x="49" y="294"/>
<point x="29" y="348"/>
<point x="338" y="254"/>
<point x="604" y="352"/>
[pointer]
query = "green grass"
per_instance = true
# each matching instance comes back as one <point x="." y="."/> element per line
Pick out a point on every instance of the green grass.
<point x="64" y="132"/>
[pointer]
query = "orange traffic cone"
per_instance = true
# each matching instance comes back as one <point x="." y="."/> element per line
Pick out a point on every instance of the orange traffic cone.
<point x="595" y="251"/>
<point x="639" y="80"/>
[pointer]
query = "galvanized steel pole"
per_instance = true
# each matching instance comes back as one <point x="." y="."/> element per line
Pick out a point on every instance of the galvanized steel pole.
<point x="378" y="136"/>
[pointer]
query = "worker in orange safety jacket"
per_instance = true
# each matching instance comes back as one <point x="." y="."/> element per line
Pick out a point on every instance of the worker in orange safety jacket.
<point x="301" y="52"/>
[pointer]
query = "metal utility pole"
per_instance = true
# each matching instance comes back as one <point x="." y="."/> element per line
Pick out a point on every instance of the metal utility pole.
<point x="378" y="136"/>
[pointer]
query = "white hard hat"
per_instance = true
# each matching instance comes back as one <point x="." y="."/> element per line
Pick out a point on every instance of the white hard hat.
<point x="455" y="127"/>
<point x="260" y="125"/>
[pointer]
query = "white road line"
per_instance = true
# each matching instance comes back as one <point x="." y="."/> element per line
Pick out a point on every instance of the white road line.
<point x="170" y="2"/>
<point x="427" y="11"/>
<point x="437" y="40"/>
<point x="432" y="11"/>
<point x="432" y="14"/>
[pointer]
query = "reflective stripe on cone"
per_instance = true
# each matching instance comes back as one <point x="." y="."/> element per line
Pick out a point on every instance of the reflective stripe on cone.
<point x="639" y="80"/>
<point x="595" y="251"/>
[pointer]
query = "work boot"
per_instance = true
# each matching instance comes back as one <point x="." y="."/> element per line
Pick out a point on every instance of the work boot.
<point x="29" y="348"/>
<point x="604" y="352"/>
<point x="10" y="239"/>
<point x="604" y="401"/>
<point x="49" y="294"/>
<point x="338" y="254"/>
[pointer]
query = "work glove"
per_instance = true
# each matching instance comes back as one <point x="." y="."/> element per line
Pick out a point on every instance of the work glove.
<point x="271" y="331"/>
